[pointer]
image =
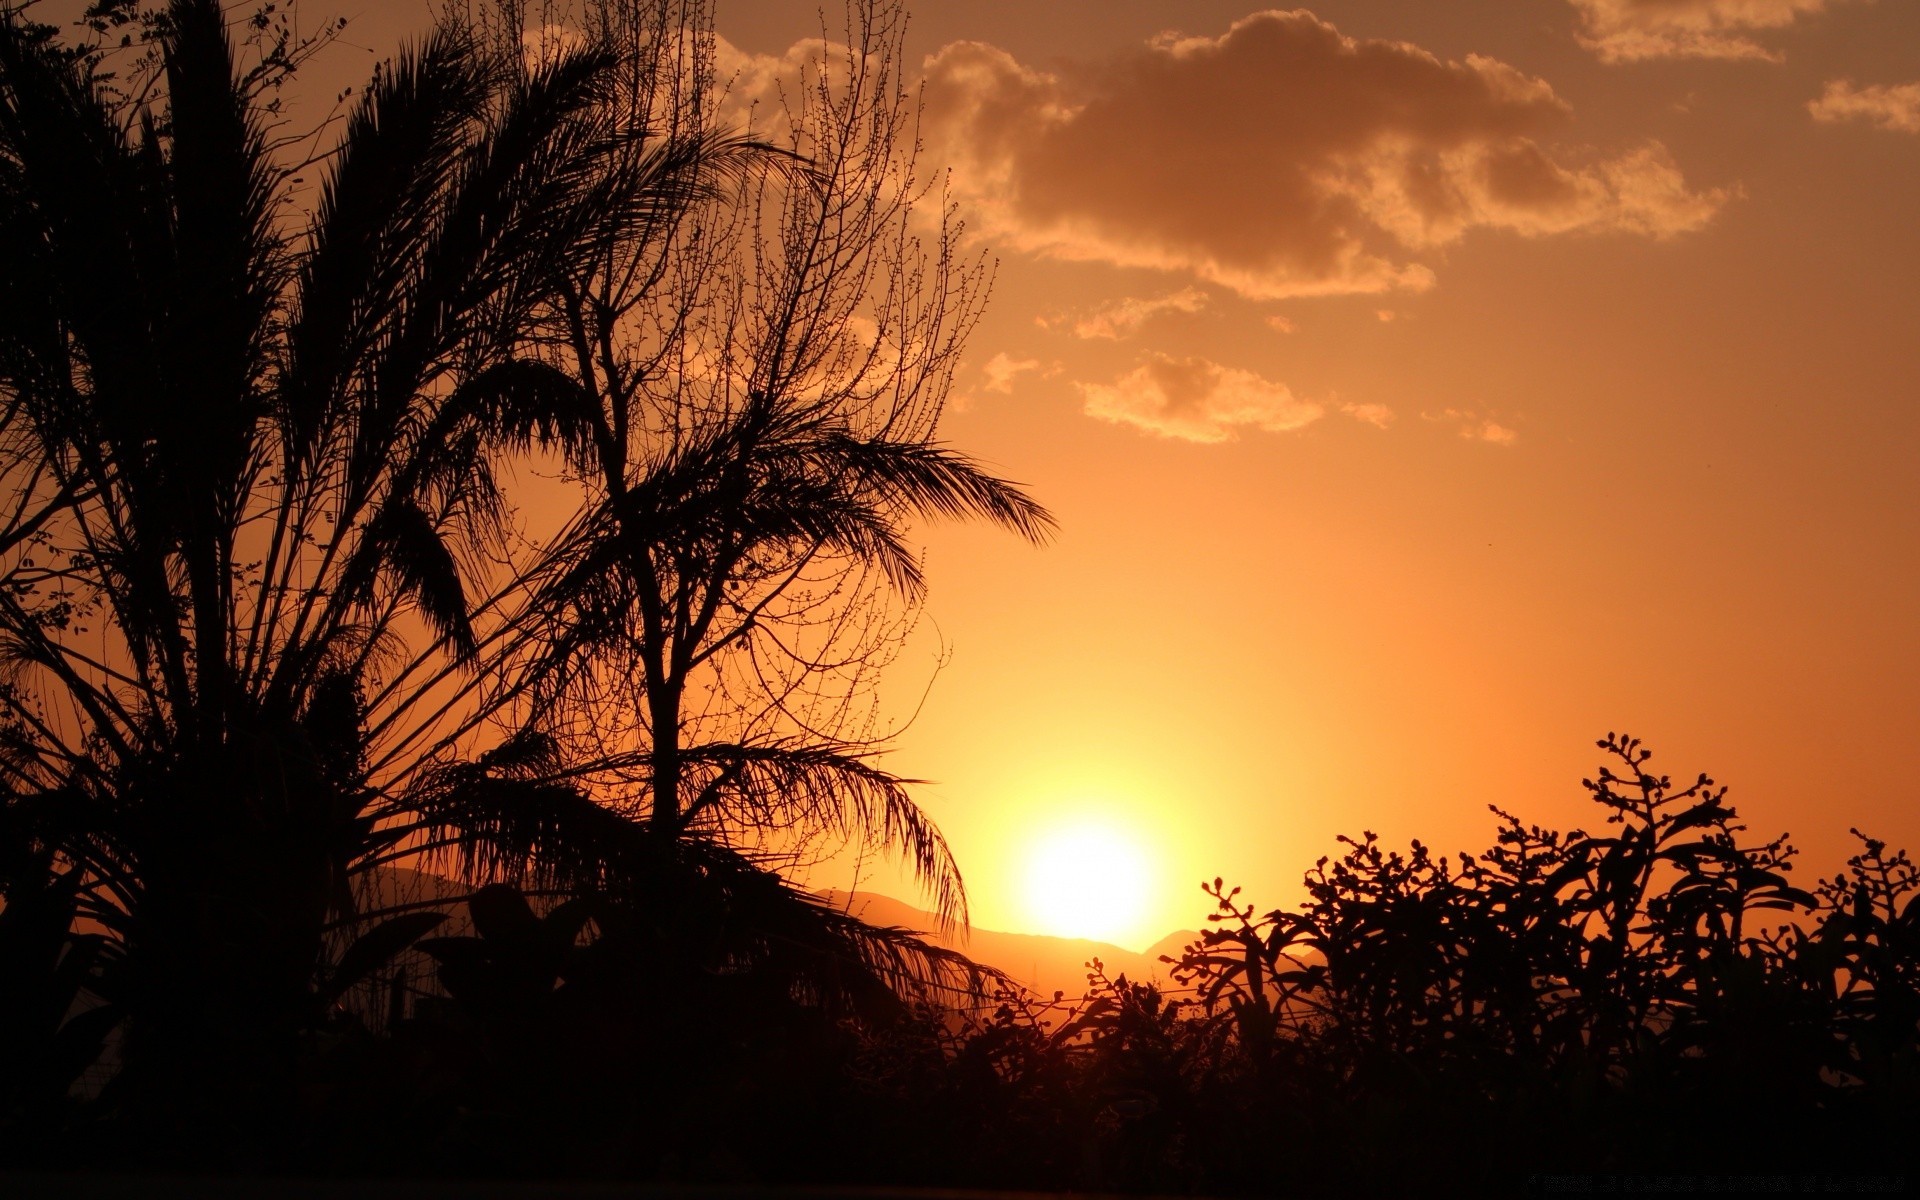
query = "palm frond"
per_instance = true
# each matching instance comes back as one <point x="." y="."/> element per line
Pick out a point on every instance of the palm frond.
<point x="411" y="551"/>
<point x="828" y="955"/>
<point x="931" y="480"/>
<point x="521" y="403"/>
<point x="801" y="511"/>
<point x="225" y="270"/>
<point x="493" y="822"/>
<point x="813" y="788"/>
<point x="502" y="817"/>
<point x="380" y="203"/>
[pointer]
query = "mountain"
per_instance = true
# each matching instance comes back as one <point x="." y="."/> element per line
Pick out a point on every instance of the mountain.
<point x="1042" y="963"/>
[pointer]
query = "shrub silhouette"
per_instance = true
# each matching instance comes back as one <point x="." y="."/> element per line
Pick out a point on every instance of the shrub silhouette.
<point x="1657" y="996"/>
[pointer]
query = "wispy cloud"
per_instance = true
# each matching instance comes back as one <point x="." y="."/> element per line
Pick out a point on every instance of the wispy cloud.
<point x="1125" y="316"/>
<point x="1197" y="400"/>
<point x="1890" y="106"/>
<point x="1634" y="30"/>
<point x="1474" y="426"/>
<point x="1349" y="155"/>
<point x="1003" y="369"/>
<point x="1377" y="415"/>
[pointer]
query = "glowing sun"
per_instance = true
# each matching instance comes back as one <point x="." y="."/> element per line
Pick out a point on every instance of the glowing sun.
<point x="1087" y="881"/>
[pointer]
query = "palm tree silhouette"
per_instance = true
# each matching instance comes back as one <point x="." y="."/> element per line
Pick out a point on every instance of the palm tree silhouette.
<point x="751" y="451"/>
<point x="251" y="583"/>
<point x="269" y="624"/>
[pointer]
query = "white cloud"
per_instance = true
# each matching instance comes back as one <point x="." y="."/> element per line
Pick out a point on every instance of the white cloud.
<point x="1197" y="400"/>
<point x="1894" y="107"/>
<point x="1347" y="155"/>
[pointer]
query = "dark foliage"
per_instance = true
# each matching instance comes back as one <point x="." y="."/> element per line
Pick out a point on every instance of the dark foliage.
<point x="267" y="642"/>
<point x="268" y="627"/>
<point x="1653" y="999"/>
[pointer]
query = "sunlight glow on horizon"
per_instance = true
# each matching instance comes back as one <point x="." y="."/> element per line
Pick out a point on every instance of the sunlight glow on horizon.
<point x="1089" y="879"/>
<point x="1388" y="617"/>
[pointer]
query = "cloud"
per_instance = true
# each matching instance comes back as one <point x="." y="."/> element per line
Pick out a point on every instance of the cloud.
<point x="1197" y="400"/>
<point x="1890" y="106"/>
<point x="1474" y="427"/>
<point x="1126" y="315"/>
<point x="1633" y="30"/>
<point x="1279" y="159"/>
<point x="1281" y="324"/>
<point x="1377" y="415"/>
<point x="1003" y="369"/>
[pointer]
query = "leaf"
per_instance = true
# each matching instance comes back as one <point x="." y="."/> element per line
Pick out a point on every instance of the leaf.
<point x="1795" y="897"/>
<point x="562" y="925"/>
<point x="827" y="788"/>
<point x="1573" y="869"/>
<point x="501" y="913"/>
<point x="374" y="948"/>
<point x="465" y="952"/>
<point x="425" y="569"/>
<point x="379" y="207"/>
<point x="80" y="1041"/>
<point x="1706" y="812"/>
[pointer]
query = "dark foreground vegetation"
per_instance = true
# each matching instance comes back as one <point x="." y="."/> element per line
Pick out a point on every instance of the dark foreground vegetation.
<point x="445" y="558"/>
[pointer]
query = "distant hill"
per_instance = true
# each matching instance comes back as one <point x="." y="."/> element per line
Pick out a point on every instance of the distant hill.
<point x="1044" y="964"/>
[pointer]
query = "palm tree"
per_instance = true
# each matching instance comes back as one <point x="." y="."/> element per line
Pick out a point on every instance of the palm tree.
<point x="736" y="446"/>
<point x="752" y="446"/>
<point x="252" y="582"/>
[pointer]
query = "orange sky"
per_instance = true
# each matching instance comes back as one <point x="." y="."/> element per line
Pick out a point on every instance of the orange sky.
<point x="1423" y="390"/>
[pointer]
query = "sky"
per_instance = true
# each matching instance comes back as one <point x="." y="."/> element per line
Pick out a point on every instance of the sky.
<point x="1423" y="391"/>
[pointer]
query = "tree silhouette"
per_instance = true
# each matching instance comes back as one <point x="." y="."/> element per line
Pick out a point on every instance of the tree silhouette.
<point x="749" y="408"/>
<point x="274" y="624"/>
<point x="252" y="581"/>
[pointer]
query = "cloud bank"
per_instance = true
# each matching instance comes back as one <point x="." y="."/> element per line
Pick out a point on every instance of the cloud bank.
<point x="1279" y="159"/>
<point x="1889" y="106"/>
<point x="1634" y="30"/>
